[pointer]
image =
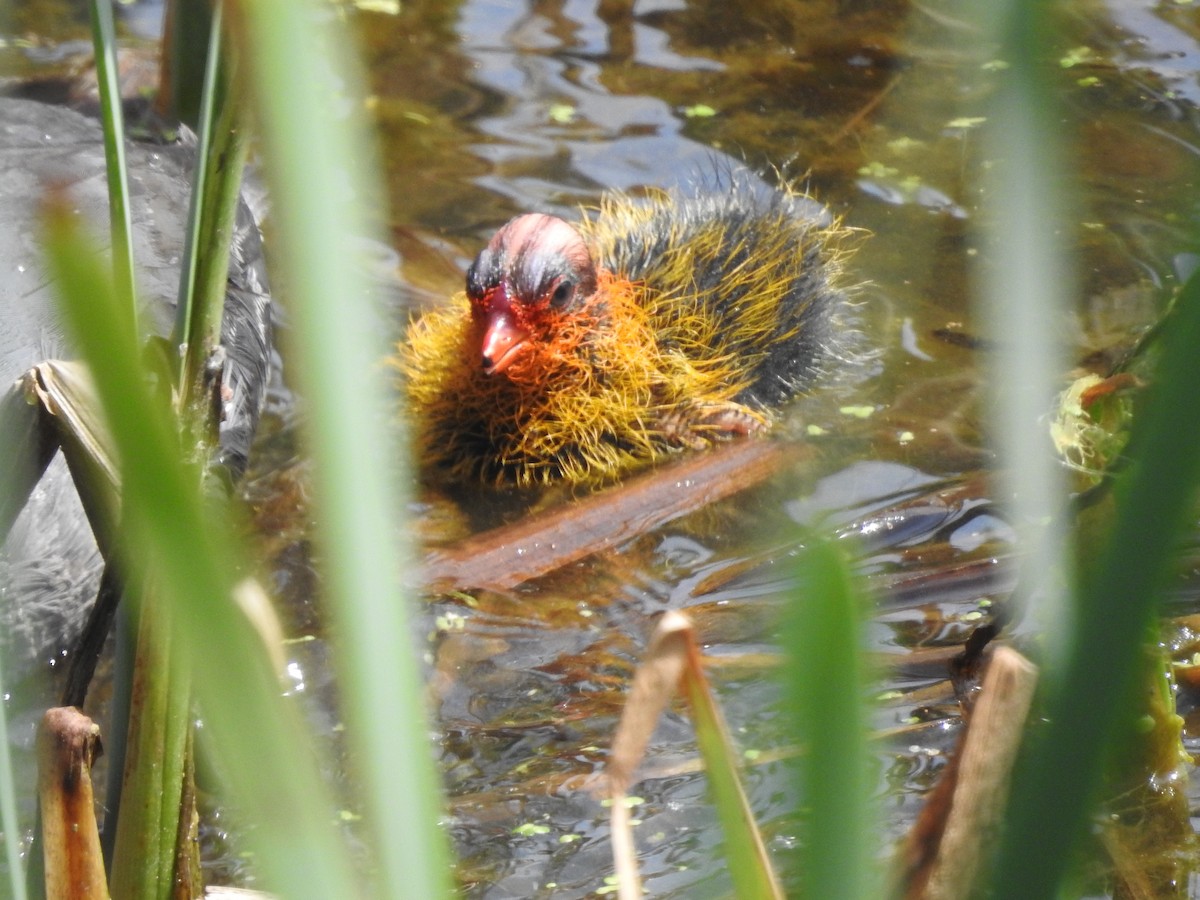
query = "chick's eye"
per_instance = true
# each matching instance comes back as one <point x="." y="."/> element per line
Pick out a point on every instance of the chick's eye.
<point x="563" y="293"/>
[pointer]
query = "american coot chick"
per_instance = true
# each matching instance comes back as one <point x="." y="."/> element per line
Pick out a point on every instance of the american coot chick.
<point x="49" y="566"/>
<point x="577" y="351"/>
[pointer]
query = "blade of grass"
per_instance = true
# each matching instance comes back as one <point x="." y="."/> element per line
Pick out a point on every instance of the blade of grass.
<point x="104" y="43"/>
<point x="155" y="761"/>
<point x="625" y="867"/>
<point x="187" y="544"/>
<point x="1057" y="779"/>
<point x="14" y="485"/>
<point x="11" y="825"/>
<point x="749" y="865"/>
<point x="27" y="444"/>
<point x="1026" y="282"/>
<point x="824" y="693"/>
<point x="191" y="255"/>
<point x="655" y="684"/>
<point x="64" y="390"/>
<point x="1093" y="641"/>
<point x="221" y="157"/>
<point x="315" y="154"/>
<point x="672" y="663"/>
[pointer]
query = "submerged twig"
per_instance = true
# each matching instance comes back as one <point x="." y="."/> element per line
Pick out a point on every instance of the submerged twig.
<point x="869" y="107"/>
<point x="506" y="557"/>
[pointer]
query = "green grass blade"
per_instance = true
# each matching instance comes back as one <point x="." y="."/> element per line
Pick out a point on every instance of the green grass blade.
<point x="221" y="158"/>
<point x="1119" y="592"/>
<point x="745" y="851"/>
<point x="15" y="881"/>
<point x="187" y="545"/>
<point x="1092" y="640"/>
<point x="191" y="256"/>
<point x="13" y="884"/>
<point x="315" y="153"/>
<point x="104" y="41"/>
<point x="160" y="719"/>
<point x="1027" y="282"/>
<point x="825" y="695"/>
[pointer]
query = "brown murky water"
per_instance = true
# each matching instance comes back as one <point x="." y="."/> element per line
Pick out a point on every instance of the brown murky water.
<point x="487" y="109"/>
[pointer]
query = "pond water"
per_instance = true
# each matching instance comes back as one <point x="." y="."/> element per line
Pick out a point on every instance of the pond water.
<point x="488" y="109"/>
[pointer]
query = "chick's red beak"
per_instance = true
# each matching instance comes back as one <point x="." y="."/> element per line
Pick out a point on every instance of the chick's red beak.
<point x="503" y="339"/>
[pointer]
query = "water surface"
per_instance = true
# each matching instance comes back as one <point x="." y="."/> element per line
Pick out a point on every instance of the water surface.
<point x="488" y="109"/>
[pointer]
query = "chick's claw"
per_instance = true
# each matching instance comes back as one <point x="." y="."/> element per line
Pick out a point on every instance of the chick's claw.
<point x="697" y="425"/>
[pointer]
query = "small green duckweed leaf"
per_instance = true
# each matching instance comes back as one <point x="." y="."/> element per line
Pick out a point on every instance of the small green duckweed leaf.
<point x="964" y="122"/>
<point x="902" y="145"/>
<point x="450" y="622"/>
<point x="857" y="412"/>
<point x="876" y="169"/>
<point x="1076" y="56"/>
<point x="531" y="829"/>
